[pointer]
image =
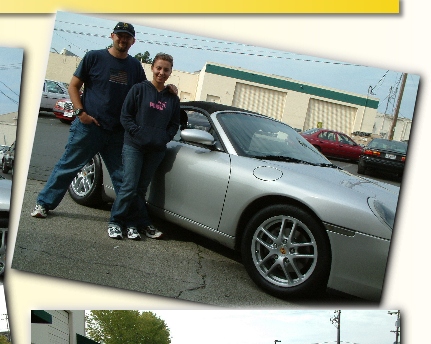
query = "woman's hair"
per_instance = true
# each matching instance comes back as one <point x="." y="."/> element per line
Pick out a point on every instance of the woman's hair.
<point x="163" y="56"/>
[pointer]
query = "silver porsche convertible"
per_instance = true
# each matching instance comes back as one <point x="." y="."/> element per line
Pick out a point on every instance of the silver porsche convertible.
<point x="255" y="185"/>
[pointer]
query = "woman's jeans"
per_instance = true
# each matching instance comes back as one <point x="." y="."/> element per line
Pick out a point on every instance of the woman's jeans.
<point x="85" y="140"/>
<point x="129" y="208"/>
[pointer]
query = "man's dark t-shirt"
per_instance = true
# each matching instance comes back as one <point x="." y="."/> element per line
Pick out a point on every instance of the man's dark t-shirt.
<point x="107" y="80"/>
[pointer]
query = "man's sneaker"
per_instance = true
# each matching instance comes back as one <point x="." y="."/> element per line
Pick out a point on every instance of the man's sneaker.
<point x="39" y="211"/>
<point x="152" y="232"/>
<point x="132" y="233"/>
<point x="115" y="232"/>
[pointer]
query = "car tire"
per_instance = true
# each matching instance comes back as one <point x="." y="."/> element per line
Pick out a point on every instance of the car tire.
<point x="295" y="263"/>
<point x="361" y="168"/>
<point x="86" y="187"/>
<point x="4" y="167"/>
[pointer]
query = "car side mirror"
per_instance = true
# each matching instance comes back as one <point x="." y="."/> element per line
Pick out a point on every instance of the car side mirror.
<point x="197" y="136"/>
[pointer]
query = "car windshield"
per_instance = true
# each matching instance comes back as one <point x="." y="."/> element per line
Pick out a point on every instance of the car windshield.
<point x="394" y="146"/>
<point x="262" y="137"/>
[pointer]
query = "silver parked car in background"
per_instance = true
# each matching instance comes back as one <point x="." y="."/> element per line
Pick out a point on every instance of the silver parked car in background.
<point x="51" y="93"/>
<point x="255" y="185"/>
<point x="5" y="193"/>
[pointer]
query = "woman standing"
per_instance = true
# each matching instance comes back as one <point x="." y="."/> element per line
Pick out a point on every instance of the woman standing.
<point x="150" y="117"/>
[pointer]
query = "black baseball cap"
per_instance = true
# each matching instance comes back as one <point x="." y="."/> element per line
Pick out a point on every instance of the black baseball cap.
<point x="125" y="27"/>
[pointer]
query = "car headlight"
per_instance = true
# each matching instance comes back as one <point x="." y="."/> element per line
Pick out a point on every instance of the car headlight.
<point x="382" y="212"/>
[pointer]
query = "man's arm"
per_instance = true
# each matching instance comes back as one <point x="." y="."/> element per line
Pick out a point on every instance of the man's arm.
<point x="74" y="88"/>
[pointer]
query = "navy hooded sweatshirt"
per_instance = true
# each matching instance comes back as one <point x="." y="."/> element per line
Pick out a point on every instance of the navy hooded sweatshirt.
<point x="150" y="118"/>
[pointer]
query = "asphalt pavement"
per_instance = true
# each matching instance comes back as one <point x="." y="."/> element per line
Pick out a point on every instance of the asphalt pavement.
<point x="73" y="243"/>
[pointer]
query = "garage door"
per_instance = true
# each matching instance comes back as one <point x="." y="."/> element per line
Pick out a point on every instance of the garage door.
<point x="58" y="331"/>
<point x="265" y="101"/>
<point x="332" y="116"/>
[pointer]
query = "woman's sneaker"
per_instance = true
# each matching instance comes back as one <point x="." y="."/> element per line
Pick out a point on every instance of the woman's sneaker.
<point x="39" y="211"/>
<point x="152" y="232"/>
<point x="132" y="233"/>
<point x="114" y="231"/>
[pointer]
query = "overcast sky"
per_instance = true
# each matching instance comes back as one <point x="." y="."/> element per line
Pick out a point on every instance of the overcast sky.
<point x="79" y="33"/>
<point x="10" y="78"/>
<point x="288" y="326"/>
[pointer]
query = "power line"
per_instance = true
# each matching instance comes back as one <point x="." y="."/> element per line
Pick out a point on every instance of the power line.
<point x="11" y="66"/>
<point x="270" y="54"/>
<point x="9" y="88"/>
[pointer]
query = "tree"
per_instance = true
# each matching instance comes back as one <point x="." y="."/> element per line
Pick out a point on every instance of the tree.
<point x="4" y="340"/>
<point x="126" y="327"/>
<point x="144" y="58"/>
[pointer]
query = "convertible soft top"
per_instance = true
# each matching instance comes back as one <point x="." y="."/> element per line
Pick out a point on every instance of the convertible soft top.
<point x="211" y="107"/>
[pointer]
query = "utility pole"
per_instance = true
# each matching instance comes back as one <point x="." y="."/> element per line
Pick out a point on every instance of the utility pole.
<point x="398" y="326"/>
<point x="336" y="321"/>
<point x="397" y="108"/>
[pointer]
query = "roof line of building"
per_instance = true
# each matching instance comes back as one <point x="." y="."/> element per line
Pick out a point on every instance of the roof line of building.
<point x="291" y="85"/>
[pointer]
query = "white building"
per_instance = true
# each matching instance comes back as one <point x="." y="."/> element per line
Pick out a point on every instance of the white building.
<point x="58" y="327"/>
<point x="299" y="104"/>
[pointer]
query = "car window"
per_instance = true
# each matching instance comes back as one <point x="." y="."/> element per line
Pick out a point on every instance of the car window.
<point x="346" y="140"/>
<point x="195" y="120"/>
<point x="328" y="135"/>
<point x="259" y="136"/>
<point x="53" y="87"/>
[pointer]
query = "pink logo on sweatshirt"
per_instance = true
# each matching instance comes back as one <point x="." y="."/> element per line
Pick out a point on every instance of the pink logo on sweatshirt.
<point x="159" y="106"/>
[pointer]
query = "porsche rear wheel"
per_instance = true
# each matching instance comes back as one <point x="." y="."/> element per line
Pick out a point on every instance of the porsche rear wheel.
<point x="86" y="187"/>
<point x="286" y="252"/>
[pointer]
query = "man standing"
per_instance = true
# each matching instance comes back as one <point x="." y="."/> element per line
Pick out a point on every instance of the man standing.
<point x="107" y="76"/>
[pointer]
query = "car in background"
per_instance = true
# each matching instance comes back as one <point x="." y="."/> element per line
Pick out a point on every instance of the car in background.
<point x="8" y="158"/>
<point x="383" y="155"/>
<point x="3" y="148"/>
<point x="51" y="93"/>
<point x="253" y="184"/>
<point x="63" y="110"/>
<point x="5" y="193"/>
<point x="333" y="144"/>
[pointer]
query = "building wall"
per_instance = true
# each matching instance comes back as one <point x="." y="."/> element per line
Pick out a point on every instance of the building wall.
<point x="8" y="125"/>
<point x="383" y="123"/>
<point x="65" y="325"/>
<point x="218" y="83"/>
<point x="61" y="67"/>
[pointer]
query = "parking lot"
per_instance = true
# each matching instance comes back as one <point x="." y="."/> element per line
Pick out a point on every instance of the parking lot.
<point x="73" y="244"/>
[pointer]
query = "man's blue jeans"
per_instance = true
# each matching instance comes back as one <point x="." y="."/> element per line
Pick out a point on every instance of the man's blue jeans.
<point x="85" y="140"/>
<point x="129" y="208"/>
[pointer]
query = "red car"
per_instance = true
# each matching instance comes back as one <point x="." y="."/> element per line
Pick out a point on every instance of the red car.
<point x="333" y="143"/>
<point x="63" y="110"/>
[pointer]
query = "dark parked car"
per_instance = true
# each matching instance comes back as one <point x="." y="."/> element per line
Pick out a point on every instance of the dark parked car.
<point x="63" y="110"/>
<point x="8" y="159"/>
<point x="254" y="184"/>
<point x="384" y="156"/>
<point x="333" y="143"/>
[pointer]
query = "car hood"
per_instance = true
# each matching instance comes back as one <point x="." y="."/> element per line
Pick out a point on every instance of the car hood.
<point x="335" y="195"/>
<point x="5" y="192"/>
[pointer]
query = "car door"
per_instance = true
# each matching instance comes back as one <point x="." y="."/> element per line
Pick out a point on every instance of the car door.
<point x="191" y="182"/>
<point x="348" y="149"/>
<point x="52" y="92"/>
<point x="328" y="143"/>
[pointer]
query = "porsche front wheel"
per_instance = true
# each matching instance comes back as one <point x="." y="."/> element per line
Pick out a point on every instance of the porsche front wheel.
<point x="286" y="251"/>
